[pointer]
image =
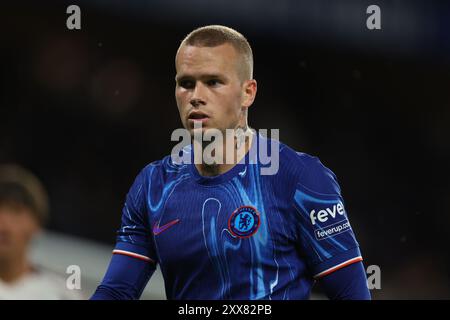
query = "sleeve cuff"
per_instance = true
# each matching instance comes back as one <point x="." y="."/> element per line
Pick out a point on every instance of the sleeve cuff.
<point x="337" y="262"/>
<point x="134" y="251"/>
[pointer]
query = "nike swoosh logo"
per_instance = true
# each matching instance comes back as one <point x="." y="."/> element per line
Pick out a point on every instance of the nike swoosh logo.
<point x="157" y="229"/>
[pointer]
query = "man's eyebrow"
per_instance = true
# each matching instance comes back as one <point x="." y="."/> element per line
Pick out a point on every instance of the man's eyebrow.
<point x="213" y="76"/>
<point x="179" y="78"/>
<point x="203" y="76"/>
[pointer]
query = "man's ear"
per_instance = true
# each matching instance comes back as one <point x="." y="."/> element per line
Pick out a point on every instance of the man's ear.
<point x="249" y="89"/>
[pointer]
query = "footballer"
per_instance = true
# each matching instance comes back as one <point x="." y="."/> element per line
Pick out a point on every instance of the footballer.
<point x="223" y="230"/>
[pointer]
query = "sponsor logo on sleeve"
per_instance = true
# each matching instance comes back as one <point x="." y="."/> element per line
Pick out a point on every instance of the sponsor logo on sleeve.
<point x="324" y="221"/>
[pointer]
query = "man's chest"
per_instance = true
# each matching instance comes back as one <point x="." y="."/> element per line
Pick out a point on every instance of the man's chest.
<point x="221" y="223"/>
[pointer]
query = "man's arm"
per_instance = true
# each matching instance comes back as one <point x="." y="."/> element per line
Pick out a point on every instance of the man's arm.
<point x="325" y="236"/>
<point x="135" y="258"/>
<point x="348" y="283"/>
<point x="125" y="278"/>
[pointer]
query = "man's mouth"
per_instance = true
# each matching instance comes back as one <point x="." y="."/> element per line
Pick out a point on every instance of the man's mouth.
<point x="198" y="116"/>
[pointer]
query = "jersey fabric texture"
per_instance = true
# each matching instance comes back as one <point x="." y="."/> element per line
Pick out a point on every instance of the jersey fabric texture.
<point x="239" y="235"/>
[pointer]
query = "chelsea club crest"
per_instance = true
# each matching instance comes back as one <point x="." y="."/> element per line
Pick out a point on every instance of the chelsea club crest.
<point x="244" y="222"/>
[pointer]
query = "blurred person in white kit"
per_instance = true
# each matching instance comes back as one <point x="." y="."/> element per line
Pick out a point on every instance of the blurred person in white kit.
<point x="23" y="213"/>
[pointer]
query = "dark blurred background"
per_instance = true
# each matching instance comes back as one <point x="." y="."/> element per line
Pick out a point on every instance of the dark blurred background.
<point x="87" y="109"/>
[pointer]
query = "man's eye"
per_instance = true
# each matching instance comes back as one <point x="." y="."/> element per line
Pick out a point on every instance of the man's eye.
<point x="213" y="82"/>
<point x="187" y="84"/>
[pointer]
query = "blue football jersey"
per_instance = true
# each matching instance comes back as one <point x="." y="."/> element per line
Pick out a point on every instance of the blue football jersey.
<point x="242" y="234"/>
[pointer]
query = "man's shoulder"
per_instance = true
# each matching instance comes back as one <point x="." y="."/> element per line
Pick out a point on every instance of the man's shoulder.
<point x="165" y="169"/>
<point x="307" y="170"/>
<point x="297" y="162"/>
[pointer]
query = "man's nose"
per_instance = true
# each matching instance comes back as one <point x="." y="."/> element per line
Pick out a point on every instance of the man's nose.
<point x="197" y="97"/>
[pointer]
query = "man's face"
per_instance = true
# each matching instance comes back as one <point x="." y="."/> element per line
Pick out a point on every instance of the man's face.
<point x="208" y="88"/>
<point x="17" y="227"/>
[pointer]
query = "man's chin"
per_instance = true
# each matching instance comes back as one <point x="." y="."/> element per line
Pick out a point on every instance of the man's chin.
<point x="200" y="130"/>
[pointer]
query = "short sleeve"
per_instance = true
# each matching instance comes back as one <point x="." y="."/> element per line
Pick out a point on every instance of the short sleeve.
<point x="134" y="238"/>
<point x="324" y="233"/>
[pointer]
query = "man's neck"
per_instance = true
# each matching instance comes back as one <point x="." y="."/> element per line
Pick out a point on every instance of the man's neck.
<point x="239" y="151"/>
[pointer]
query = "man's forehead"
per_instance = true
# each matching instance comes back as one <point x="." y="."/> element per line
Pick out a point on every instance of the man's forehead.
<point x="204" y="57"/>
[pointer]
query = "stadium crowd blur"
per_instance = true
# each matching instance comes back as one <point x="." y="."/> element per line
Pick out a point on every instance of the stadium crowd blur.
<point x="86" y="109"/>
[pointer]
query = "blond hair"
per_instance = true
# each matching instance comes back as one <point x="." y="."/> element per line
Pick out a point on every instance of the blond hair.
<point x="216" y="35"/>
